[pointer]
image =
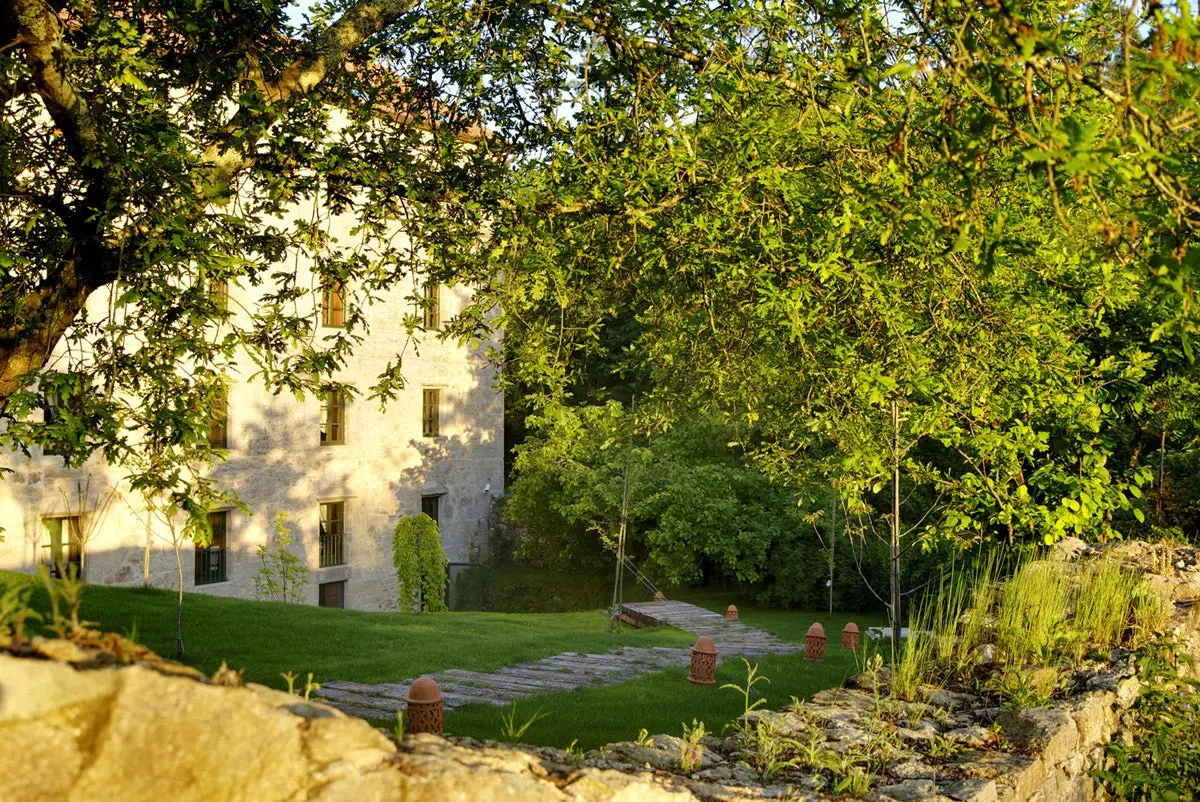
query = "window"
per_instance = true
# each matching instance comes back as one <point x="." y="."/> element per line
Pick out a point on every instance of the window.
<point x="333" y="527"/>
<point x="210" y="559"/>
<point x="333" y="419"/>
<point x="429" y="506"/>
<point x="218" y="420"/>
<point x="331" y="594"/>
<point x="432" y="307"/>
<point x="333" y="307"/>
<point x="431" y="402"/>
<point x="63" y="548"/>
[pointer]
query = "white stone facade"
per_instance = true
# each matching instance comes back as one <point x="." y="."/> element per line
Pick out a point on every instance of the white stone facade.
<point x="277" y="463"/>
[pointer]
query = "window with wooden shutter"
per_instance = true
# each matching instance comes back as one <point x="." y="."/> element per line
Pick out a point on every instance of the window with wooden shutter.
<point x="431" y="402"/>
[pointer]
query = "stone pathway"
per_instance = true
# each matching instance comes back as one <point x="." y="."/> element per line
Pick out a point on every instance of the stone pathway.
<point x="568" y="671"/>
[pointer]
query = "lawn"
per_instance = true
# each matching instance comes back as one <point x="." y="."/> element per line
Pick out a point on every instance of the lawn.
<point x="662" y="702"/>
<point x="267" y="639"/>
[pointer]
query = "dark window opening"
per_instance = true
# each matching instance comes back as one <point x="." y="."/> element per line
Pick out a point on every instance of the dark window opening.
<point x="429" y="506"/>
<point x="210" y="559"/>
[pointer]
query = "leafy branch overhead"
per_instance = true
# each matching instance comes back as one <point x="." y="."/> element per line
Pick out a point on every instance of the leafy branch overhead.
<point x="783" y="215"/>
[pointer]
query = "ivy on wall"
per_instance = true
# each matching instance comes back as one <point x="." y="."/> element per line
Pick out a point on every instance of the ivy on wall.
<point x="421" y="565"/>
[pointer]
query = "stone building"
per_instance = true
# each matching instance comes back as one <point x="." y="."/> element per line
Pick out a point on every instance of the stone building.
<point x="341" y="472"/>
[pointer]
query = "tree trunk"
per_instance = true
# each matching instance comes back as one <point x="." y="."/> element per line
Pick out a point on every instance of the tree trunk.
<point x="29" y="333"/>
<point x="146" y="554"/>
<point x="894" y="591"/>
<point x="1162" y="452"/>
<point x="179" y="602"/>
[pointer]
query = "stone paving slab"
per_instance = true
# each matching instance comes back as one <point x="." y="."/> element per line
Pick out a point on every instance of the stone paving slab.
<point x="567" y="671"/>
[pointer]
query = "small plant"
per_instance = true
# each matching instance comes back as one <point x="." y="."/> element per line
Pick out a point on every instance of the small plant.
<point x="691" y="753"/>
<point x="854" y="783"/>
<point x="574" y="753"/>
<point x="510" y="730"/>
<point x="752" y="679"/>
<point x="14" y="612"/>
<point x="290" y="678"/>
<point x="400" y="725"/>
<point x="67" y="592"/>
<point x="281" y="574"/>
<point x="1033" y="606"/>
<point x="1161" y="760"/>
<point x="941" y="746"/>
<point x="770" y="751"/>
<point x="310" y="686"/>
<point x="1020" y="688"/>
<point x="643" y="738"/>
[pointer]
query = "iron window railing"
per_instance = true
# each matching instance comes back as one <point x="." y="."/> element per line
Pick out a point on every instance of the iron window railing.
<point x="332" y="534"/>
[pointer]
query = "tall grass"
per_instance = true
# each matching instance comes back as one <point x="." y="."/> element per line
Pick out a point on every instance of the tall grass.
<point x="1042" y="614"/>
<point x="1102" y="605"/>
<point x="1033" y="607"/>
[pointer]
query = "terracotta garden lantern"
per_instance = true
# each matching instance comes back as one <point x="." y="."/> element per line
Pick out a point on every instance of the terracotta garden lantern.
<point x="850" y="636"/>
<point x="814" y="643"/>
<point x="658" y="596"/>
<point x="704" y="662"/>
<point x="425" y="707"/>
<point x="731" y="612"/>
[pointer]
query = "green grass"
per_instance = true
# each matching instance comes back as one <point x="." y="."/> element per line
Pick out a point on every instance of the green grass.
<point x="267" y="639"/>
<point x="661" y="702"/>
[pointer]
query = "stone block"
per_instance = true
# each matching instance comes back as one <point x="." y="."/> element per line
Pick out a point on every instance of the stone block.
<point x="909" y="790"/>
<point x="1051" y="732"/>
<point x="1094" y="717"/>
<point x="35" y="688"/>
<point x="970" y="790"/>
<point x="975" y="737"/>
<point x="170" y="738"/>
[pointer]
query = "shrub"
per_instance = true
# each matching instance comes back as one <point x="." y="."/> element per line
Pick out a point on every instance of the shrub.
<point x="281" y="575"/>
<point x="421" y="564"/>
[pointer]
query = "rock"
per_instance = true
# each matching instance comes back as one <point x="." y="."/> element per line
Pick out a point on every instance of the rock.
<point x="911" y="770"/>
<point x="970" y="790"/>
<point x="35" y="688"/>
<point x="1069" y="548"/>
<point x="909" y="790"/>
<point x="940" y="697"/>
<point x="975" y="737"/>
<point x="1036" y="729"/>
<point x="1094" y="716"/>
<point x="1127" y="691"/>
<point x="987" y="654"/>
<point x="229" y="749"/>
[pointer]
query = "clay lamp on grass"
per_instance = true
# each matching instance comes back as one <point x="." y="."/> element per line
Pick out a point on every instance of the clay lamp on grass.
<point x="704" y="662"/>
<point x="850" y="636"/>
<point x="425" y="707"/>
<point x="814" y="643"/>
<point x="731" y="613"/>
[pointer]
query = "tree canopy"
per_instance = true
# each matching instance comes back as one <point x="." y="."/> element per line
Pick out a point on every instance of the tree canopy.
<point x="789" y="215"/>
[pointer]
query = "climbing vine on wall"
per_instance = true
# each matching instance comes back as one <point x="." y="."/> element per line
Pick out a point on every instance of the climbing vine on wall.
<point x="420" y="564"/>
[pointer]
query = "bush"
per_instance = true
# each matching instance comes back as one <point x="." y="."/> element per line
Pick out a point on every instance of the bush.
<point x="421" y="564"/>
